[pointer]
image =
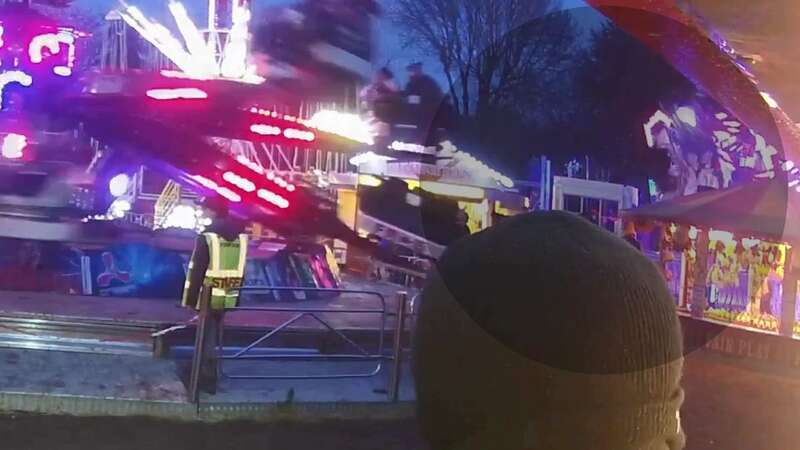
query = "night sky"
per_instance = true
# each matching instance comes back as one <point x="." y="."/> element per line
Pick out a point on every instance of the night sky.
<point x="390" y="50"/>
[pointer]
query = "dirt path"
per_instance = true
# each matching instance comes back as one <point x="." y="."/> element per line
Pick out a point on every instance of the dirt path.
<point x="732" y="407"/>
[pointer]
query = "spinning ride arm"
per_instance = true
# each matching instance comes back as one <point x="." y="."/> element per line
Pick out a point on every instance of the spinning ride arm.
<point x="173" y="138"/>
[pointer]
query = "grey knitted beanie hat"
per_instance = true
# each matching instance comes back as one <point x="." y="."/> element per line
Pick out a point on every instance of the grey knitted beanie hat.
<point x="546" y="332"/>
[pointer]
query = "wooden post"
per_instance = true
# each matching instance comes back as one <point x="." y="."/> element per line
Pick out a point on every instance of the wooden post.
<point x="789" y="299"/>
<point x="699" y="301"/>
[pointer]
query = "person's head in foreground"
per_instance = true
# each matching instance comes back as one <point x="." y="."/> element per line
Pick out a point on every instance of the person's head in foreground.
<point x="547" y="332"/>
<point x="215" y="207"/>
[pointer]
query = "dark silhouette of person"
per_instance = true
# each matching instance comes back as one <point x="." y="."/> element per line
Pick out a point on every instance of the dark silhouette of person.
<point x="547" y="332"/>
<point x="426" y="104"/>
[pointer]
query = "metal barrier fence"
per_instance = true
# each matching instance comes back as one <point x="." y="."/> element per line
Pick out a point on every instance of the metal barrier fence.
<point x="379" y="356"/>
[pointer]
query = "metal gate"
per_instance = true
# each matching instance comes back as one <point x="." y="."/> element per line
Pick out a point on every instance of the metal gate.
<point x="357" y="352"/>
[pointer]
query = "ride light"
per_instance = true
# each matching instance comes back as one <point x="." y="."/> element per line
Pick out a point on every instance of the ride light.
<point x="273" y="198"/>
<point x="47" y="41"/>
<point x="349" y="126"/>
<point x="14" y="146"/>
<point x="238" y="181"/>
<point x="408" y="147"/>
<point x="119" y="208"/>
<point x="292" y="133"/>
<point x="368" y="157"/>
<point x="62" y="71"/>
<point x="198" y="48"/>
<point x="175" y="94"/>
<point x="234" y="56"/>
<point x="118" y="185"/>
<point x="182" y="216"/>
<point x="265" y="130"/>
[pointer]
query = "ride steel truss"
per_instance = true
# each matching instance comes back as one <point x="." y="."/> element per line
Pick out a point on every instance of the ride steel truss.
<point x="170" y="198"/>
<point x="290" y="160"/>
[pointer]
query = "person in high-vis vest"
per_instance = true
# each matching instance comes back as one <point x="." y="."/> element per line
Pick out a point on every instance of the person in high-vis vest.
<point x="218" y="262"/>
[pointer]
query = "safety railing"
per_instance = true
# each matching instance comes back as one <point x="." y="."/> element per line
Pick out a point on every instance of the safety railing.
<point x="320" y="315"/>
<point x="315" y="313"/>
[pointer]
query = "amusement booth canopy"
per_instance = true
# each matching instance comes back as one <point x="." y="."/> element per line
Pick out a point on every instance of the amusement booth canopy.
<point x="765" y="209"/>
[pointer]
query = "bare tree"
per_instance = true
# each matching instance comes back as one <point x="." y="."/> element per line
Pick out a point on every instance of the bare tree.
<point x="495" y="53"/>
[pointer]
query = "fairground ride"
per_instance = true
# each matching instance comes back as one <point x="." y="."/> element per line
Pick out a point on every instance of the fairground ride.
<point x="72" y="142"/>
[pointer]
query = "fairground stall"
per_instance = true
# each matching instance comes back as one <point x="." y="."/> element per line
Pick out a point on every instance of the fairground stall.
<point x="726" y="253"/>
<point x="733" y="248"/>
<point x="730" y="259"/>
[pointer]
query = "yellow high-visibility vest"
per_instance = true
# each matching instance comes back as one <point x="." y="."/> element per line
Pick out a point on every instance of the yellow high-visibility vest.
<point x="226" y="263"/>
